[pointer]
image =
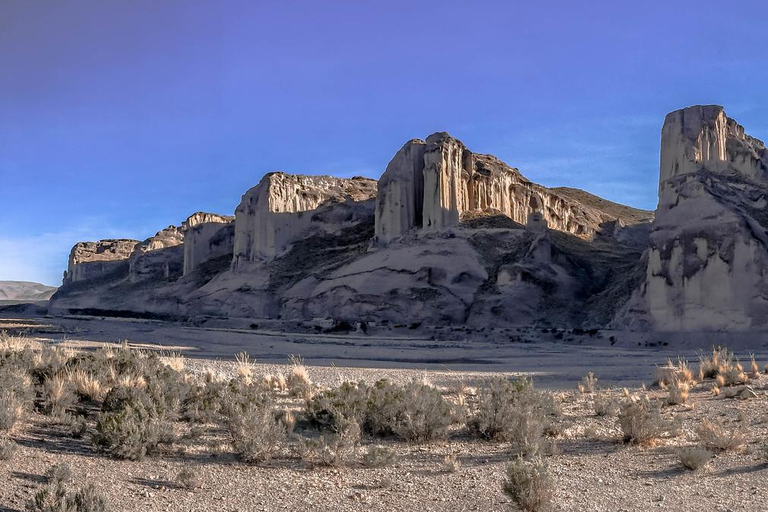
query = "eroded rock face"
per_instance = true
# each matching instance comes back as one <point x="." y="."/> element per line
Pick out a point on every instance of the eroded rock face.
<point x="281" y="208"/>
<point x="455" y="183"/>
<point x="400" y="200"/>
<point x="207" y="236"/>
<point x="708" y="256"/>
<point x="158" y="257"/>
<point x="92" y="260"/>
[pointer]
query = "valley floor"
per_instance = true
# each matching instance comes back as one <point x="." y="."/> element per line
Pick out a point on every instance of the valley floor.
<point x="594" y="470"/>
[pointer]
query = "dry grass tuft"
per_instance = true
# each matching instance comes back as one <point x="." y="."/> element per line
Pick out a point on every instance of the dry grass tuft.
<point x="714" y="436"/>
<point x="588" y="384"/>
<point x="678" y="393"/>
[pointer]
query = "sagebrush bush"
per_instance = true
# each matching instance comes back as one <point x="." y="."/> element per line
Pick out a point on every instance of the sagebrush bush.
<point x="332" y="448"/>
<point x="513" y="411"/>
<point x="55" y="497"/>
<point x="529" y="484"/>
<point x="694" y="458"/>
<point x="133" y="422"/>
<point x="8" y="449"/>
<point x="641" y="421"/>
<point x="188" y="479"/>
<point x="423" y="415"/>
<point x="378" y="456"/>
<point x="254" y="430"/>
<point x="678" y="393"/>
<point x="415" y="412"/>
<point x="10" y="410"/>
<point x="606" y="406"/>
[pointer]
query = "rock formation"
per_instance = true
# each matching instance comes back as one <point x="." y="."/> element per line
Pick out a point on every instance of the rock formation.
<point x="207" y="236"/>
<point x="279" y="210"/>
<point x="92" y="260"/>
<point x="158" y="257"/>
<point x="707" y="261"/>
<point x="432" y="185"/>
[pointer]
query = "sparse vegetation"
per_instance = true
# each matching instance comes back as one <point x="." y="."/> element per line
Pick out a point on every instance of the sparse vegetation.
<point x="715" y="436"/>
<point x="55" y="496"/>
<point x="641" y="421"/>
<point x="588" y="384"/>
<point x="529" y="484"/>
<point x="695" y="457"/>
<point x="379" y="456"/>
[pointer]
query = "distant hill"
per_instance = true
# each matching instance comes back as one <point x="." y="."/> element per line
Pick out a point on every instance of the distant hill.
<point x="24" y="290"/>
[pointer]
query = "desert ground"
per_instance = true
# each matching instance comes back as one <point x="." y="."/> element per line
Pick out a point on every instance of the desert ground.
<point x="592" y="468"/>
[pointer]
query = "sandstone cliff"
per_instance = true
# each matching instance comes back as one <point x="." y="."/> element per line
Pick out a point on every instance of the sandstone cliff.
<point x="279" y="210"/>
<point x="433" y="185"/>
<point x="159" y="257"/>
<point x="707" y="261"/>
<point x="207" y="236"/>
<point x="92" y="260"/>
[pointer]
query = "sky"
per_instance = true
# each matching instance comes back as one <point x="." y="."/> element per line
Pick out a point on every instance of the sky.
<point x="120" y="118"/>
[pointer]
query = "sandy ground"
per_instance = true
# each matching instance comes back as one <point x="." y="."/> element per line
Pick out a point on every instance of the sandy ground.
<point x="593" y="472"/>
<point x="554" y="364"/>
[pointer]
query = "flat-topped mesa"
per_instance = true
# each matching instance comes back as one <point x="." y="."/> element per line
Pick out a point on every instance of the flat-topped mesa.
<point x="207" y="236"/>
<point x="158" y="257"/>
<point x="433" y="184"/>
<point x="275" y="212"/>
<point x="708" y="247"/>
<point x="92" y="260"/>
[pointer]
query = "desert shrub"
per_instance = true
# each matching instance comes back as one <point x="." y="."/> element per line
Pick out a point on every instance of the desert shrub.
<point x="714" y="436"/>
<point x="55" y="497"/>
<point x="414" y="412"/>
<point x="678" y="393"/>
<point x="606" y="406"/>
<point x="513" y="411"/>
<point x="188" y="479"/>
<point x="588" y="384"/>
<point x="332" y="448"/>
<point x="529" y="484"/>
<point x="679" y="371"/>
<point x="694" y="457"/>
<point x="11" y="410"/>
<point x="133" y="422"/>
<point x="8" y="449"/>
<point x="378" y="456"/>
<point x="641" y="421"/>
<point x="423" y="415"/>
<point x="349" y="401"/>
<point x="203" y="403"/>
<point x="254" y="430"/>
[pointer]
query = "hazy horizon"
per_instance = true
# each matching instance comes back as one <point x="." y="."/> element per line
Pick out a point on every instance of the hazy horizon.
<point x="117" y="120"/>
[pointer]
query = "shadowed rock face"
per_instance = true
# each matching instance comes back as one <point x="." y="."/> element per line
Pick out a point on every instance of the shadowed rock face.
<point x="159" y="257"/>
<point x="206" y="236"/>
<point x="278" y="210"/>
<point x="432" y="185"/>
<point x="708" y="250"/>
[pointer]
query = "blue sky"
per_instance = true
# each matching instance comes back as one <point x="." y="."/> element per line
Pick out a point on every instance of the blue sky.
<point x="120" y="118"/>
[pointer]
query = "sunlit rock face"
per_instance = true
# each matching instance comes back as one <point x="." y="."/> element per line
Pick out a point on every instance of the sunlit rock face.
<point x="206" y="236"/>
<point x="93" y="260"/>
<point x="158" y="257"/>
<point x="707" y="260"/>
<point x="282" y="207"/>
<point x="432" y="185"/>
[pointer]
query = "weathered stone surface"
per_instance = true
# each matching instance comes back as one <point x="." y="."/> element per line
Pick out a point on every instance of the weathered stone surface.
<point x="708" y="251"/>
<point x="456" y="183"/>
<point x="279" y="210"/>
<point x="400" y="199"/>
<point x="91" y="260"/>
<point x="206" y="236"/>
<point x="158" y="257"/>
